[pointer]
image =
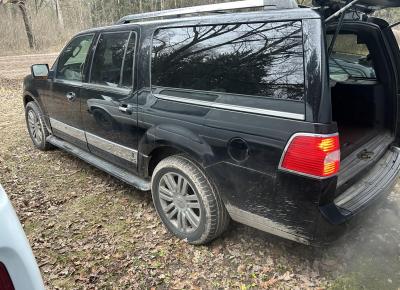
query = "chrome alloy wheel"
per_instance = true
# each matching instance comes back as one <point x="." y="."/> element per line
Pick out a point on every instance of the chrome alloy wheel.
<point x="179" y="202"/>
<point x="35" y="127"/>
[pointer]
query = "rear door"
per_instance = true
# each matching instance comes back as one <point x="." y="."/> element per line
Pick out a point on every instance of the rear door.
<point x="109" y="107"/>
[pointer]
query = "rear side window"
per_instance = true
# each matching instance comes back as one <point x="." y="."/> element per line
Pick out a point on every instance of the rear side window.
<point x="244" y="64"/>
<point x="108" y="61"/>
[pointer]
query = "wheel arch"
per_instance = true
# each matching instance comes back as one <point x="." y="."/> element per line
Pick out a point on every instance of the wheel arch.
<point x="163" y="141"/>
<point x="159" y="154"/>
<point x="30" y="97"/>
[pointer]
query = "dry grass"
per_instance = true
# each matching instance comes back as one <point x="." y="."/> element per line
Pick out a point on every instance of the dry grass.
<point x="17" y="67"/>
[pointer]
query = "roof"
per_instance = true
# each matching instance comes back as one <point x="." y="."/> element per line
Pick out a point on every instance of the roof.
<point x="212" y="8"/>
<point x="256" y="16"/>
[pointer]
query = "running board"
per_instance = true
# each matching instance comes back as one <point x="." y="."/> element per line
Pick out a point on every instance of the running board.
<point x="106" y="166"/>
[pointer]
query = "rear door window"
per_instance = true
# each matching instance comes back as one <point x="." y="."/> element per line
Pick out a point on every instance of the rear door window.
<point x="250" y="65"/>
<point x="128" y="69"/>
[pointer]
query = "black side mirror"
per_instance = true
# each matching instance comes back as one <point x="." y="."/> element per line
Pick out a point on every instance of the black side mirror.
<point x="51" y="74"/>
<point x="40" y="71"/>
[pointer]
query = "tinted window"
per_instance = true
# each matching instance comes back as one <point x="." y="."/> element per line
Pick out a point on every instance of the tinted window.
<point x="127" y="74"/>
<point x="108" y="59"/>
<point x="350" y="59"/>
<point x="71" y="62"/>
<point x="259" y="59"/>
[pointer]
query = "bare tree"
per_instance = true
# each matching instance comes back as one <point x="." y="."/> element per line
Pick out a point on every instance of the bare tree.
<point x="58" y="11"/>
<point x="28" y="27"/>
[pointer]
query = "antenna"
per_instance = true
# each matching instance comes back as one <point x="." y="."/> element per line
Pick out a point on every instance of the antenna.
<point x="212" y="8"/>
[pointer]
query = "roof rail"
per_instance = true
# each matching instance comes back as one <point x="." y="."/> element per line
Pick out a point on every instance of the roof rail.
<point x="212" y="8"/>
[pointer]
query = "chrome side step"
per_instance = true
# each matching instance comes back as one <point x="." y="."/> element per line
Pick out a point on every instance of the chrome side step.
<point x="106" y="166"/>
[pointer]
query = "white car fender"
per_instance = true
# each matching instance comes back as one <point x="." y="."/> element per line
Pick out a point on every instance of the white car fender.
<point x="15" y="252"/>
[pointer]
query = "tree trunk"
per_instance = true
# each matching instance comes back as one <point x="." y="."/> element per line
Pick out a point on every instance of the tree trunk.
<point x="28" y="27"/>
<point x="60" y="18"/>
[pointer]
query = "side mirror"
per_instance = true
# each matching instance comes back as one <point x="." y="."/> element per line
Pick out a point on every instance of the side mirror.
<point x="40" y="71"/>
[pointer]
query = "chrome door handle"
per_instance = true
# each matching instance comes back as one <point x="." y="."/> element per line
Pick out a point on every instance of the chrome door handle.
<point x="126" y="109"/>
<point x="71" y="96"/>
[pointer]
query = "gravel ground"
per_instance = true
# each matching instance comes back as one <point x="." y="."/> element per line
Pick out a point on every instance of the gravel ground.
<point x="91" y="231"/>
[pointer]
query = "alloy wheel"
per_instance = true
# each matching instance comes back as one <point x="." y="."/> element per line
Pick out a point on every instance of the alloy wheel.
<point x="35" y="127"/>
<point x="179" y="202"/>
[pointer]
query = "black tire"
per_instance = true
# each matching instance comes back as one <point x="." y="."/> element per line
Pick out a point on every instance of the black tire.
<point x="38" y="131"/>
<point x="212" y="217"/>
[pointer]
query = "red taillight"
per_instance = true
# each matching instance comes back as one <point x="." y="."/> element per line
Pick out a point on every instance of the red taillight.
<point x="5" y="280"/>
<point x="312" y="155"/>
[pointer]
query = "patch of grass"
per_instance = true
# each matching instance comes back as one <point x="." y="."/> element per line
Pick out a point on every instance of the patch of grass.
<point x="350" y="282"/>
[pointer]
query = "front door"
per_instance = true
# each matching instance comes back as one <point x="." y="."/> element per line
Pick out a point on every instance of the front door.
<point x="63" y="103"/>
<point x="109" y="106"/>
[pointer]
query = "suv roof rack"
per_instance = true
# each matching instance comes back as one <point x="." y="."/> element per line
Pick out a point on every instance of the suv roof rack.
<point x="212" y="8"/>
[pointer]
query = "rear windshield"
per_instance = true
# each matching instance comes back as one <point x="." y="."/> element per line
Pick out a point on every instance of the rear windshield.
<point x="350" y="59"/>
<point x="252" y="64"/>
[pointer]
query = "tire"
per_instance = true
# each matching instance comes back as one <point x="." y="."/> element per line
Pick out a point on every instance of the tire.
<point x="194" y="213"/>
<point x="36" y="126"/>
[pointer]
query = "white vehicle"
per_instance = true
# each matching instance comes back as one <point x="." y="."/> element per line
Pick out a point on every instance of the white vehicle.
<point x="18" y="267"/>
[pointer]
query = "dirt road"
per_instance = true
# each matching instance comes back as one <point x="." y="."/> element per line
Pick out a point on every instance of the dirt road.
<point x="16" y="67"/>
<point x="91" y="231"/>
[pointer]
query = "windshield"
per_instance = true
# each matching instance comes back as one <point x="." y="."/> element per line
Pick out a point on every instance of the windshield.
<point x="350" y="59"/>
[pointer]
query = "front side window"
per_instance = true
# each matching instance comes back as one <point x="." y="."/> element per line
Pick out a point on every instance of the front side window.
<point x="242" y="63"/>
<point x="72" y="60"/>
<point x="350" y="58"/>
<point x="108" y="59"/>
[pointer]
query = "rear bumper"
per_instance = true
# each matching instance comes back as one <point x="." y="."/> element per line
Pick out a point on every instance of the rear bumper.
<point x="369" y="191"/>
<point x="15" y="252"/>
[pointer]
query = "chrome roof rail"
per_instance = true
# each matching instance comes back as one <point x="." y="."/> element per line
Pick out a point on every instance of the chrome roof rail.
<point x="212" y="8"/>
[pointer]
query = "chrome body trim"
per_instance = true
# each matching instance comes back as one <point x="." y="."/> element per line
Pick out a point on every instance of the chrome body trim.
<point x="112" y="148"/>
<point x="115" y="149"/>
<point x="232" y="107"/>
<point x="265" y="224"/>
<point x="67" y="129"/>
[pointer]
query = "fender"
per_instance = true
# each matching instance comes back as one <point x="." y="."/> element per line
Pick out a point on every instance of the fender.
<point x="179" y="138"/>
<point x="34" y="96"/>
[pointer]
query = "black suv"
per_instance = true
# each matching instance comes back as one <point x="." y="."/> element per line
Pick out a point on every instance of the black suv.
<point x="284" y="119"/>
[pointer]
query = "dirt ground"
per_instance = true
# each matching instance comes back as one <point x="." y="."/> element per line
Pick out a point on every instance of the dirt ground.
<point x="91" y="231"/>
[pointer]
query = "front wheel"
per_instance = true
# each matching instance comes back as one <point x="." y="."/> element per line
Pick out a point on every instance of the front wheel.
<point x="36" y="126"/>
<point x="187" y="202"/>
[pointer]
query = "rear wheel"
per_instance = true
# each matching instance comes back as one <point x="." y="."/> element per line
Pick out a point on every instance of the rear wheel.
<point x="36" y="126"/>
<point x="187" y="202"/>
